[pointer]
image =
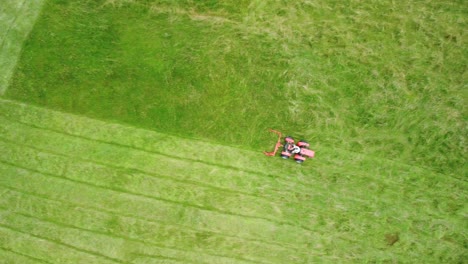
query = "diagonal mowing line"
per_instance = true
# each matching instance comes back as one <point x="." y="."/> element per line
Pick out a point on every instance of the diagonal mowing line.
<point x="24" y="255"/>
<point x="110" y="165"/>
<point x="256" y="240"/>
<point x="90" y="230"/>
<point x="72" y="137"/>
<point x="117" y="190"/>
<point x="288" y="181"/>
<point x="67" y="226"/>
<point x="296" y="190"/>
<point x="141" y="152"/>
<point x="22" y="111"/>
<point x="272" y="220"/>
<point x="24" y="14"/>
<point x="13" y="22"/>
<point x="258" y="173"/>
<point x="227" y="168"/>
<point x="95" y="136"/>
<point x="16" y="230"/>
<point x="48" y="200"/>
<point x="158" y="257"/>
<point x="145" y="196"/>
<point x="151" y="220"/>
<point x="55" y="115"/>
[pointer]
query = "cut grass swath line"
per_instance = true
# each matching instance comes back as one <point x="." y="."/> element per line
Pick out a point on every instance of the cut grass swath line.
<point x="100" y="208"/>
<point x="40" y="208"/>
<point x="176" y="252"/>
<point x="30" y="180"/>
<point x="296" y="189"/>
<point x="24" y="258"/>
<point x="145" y="258"/>
<point x="296" y="225"/>
<point x="82" y="253"/>
<point x="190" y="148"/>
<point x="287" y="181"/>
<point x="67" y="233"/>
<point x="226" y="174"/>
<point x="389" y="181"/>
<point x="150" y="141"/>
<point x="184" y="204"/>
<point x="43" y="134"/>
<point x="12" y="24"/>
<point x="72" y="234"/>
<point x="150" y="172"/>
<point x="90" y="241"/>
<point x="59" y="171"/>
<point x="19" y="223"/>
<point x="227" y="167"/>
<point x="284" y="246"/>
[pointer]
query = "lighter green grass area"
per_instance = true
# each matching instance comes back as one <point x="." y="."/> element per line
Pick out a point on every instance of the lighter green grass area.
<point x="17" y="18"/>
<point x="108" y="193"/>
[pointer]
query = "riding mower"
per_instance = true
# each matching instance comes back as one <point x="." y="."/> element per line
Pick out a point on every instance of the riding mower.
<point x="299" y="151"/>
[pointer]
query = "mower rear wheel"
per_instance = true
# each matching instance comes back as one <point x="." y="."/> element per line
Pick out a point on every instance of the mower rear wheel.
<point x="298" y="158"/>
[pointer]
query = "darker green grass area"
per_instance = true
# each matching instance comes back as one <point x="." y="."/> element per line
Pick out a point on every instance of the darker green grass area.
<point x="149" y="71"/>
<point x="372" y="77"/>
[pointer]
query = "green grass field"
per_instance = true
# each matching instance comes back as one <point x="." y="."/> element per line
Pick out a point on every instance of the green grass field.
<point x="131" y="131"/>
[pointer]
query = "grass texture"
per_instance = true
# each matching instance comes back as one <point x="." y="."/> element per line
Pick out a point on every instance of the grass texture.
<point x="158" y="159"/>
<point x="16" y="21"/>
<point x="385" y="79"/>
<point x="76" y="189"/>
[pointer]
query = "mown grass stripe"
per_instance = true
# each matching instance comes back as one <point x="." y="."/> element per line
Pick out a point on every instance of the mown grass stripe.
<point x="246" y="229"/>
<point x="324" y="169"/>
<point x="46" y="249"/>
<point x="184" y="204"/>
<point x="377" y="203"/>
<point x="149" y="258"/>
<point x="12" y="256"/>
<point x="165" y="188"/>
<point x="333" y="188"/>
<point x="38" y="209"/>
<point x="136" y="217"/>
<point x="16" y="20"/>
<point x="105" y="244"/>
<point x="38" y="229"/>
<point x="158" y="142"/>
<point x="89" y="146"/>
<point x="221" y="178"/>
<point x="296" y="187"/>
<point x="384" y="183"/>
<point x="111" y="247"/>
<point x="266" y="202"/>
<point x="171" y="252"/>
<point x="13" y="20"/>
<point x="188" y="149"/>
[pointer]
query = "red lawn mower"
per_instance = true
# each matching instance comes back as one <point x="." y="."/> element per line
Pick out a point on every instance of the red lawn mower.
<point x="300" y="150"/>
